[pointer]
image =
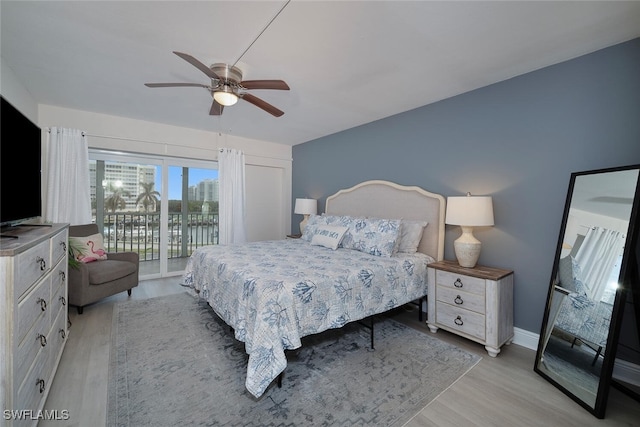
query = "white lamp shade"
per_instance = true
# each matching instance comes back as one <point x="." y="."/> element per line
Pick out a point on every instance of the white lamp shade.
<point x="474" y="211"/>
<point x="306" y="206"/>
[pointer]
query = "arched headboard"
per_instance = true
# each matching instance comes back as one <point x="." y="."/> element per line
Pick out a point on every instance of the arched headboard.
<point x="384" y="199"/>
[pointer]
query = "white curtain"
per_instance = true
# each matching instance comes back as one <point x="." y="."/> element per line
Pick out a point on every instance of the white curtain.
<point x="232" y="197"/>
<point x="68" y="196"/>
<point x="597" y="256"/>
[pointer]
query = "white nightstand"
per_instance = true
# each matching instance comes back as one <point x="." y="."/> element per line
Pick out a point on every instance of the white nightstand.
<point x="475" y="303"/>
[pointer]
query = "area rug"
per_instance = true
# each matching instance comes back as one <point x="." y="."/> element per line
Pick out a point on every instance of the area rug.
<point x="174" y="362"/>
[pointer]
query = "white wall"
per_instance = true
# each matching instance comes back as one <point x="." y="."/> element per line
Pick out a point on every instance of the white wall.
<point x="268" y="176"/>
<point x="17" y="95"/>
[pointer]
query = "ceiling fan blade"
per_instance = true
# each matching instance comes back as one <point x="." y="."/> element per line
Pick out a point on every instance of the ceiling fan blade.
<point x="176" y="85"/>
<point x="199" y="65"/>
<point x="216" y="109"/>
<point x="261" y="104"/>
<point x="264" y="84"/>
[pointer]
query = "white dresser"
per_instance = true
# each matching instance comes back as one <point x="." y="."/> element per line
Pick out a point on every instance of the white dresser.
<point x="476" y="303"/>
<point x="33" y="316"/>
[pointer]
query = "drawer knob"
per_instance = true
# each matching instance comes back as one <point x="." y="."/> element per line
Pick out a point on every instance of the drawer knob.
<point x="63" y="333"/>
<point x="43" y="304"/>
<point x="458" y="300"/>
<point x="458" y="321"/>
<point x="42" y="262"/>
<point x="43" y="340"/>
<point x="63" y="300"/>
<point x="458" y="283"/>
<point x="41" y="385"/>
<point x="64" y="246"/>
<point x="63" y="275"/>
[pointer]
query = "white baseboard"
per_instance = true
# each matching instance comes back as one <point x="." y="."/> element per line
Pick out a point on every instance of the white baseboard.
<point x="525" y="338"/>
<point x="626" y="372"/>
<point x="622" y="370"/>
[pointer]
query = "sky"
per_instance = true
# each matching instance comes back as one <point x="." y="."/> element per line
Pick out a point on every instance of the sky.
<point x="175" y="179"/>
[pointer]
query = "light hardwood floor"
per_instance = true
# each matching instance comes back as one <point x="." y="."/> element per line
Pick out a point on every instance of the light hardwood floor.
<point x="501" y="391"/>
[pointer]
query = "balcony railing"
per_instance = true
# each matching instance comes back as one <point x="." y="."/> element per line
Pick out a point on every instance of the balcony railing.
<point x="140" y="232"/>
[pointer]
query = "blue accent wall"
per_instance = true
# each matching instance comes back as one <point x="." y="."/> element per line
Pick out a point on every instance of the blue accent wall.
<point x="518" y="140"/>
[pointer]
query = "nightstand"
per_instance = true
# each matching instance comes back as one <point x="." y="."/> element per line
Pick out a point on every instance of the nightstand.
<point x="475" y="303"/>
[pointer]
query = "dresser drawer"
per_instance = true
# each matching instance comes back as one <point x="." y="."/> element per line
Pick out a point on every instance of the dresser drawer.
<point x="58" y="295"/>
<point x="470" y="284"/>
<point x="57" y="338"/>
<point x="461" y="299"/>
<point x="58" y="247"/>
<point x="35" y="384"/>
<point x="30" y="266"/>
<point x="32" y="307"/>
<point x="461" y="320"/>
<point x="37" y="338"/>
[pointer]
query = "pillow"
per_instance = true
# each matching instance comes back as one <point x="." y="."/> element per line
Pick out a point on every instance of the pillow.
<point x="410" y="235"/>
<point x="315" y="221"/>
<point x="565" y="273"/>
<point x="312" y="224"/>
<point x="88" y="249"/>
<point x="328" y="236"/>
<point x="373" y="236"/>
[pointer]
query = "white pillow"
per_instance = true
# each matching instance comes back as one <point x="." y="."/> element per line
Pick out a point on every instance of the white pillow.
<point x="410" y="235"/>
<point x="328" y="236"/>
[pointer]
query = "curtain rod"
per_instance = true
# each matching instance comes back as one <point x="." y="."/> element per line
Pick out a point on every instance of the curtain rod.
<point x="121" y="138"/>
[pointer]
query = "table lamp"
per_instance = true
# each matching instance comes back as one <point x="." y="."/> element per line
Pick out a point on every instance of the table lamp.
<point x="305" y="207"/>
<point x="468" y="212"/>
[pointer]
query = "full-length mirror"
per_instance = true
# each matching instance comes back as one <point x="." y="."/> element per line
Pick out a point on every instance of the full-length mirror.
<point x="578" y="339"/>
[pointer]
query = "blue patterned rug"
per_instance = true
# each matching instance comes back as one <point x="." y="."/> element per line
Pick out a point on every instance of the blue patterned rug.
<point x="173" y="362"/>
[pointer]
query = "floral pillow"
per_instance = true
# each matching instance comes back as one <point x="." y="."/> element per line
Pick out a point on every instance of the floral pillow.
<point x="312" y="225"/>
<point x="373" y="236"/>
<point x="88" y="249"/>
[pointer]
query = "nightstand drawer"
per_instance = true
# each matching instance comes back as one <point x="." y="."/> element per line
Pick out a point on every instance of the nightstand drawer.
<point x="461" y="320"/>
<point x="461" y="299"/>
<point x="458" y="281"/>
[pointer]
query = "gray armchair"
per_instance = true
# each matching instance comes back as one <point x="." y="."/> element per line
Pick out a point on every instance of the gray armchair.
<point x="90" y="282"/>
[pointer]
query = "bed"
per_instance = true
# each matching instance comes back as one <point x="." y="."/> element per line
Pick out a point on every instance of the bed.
<point x="347" y="266"/>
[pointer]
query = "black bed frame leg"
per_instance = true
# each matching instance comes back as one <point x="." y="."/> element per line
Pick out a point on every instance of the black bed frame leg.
<point x="280" y="379"/>
<point x="372" y="347"/>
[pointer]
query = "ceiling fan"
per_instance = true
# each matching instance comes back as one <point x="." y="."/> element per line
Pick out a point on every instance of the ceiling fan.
<point x="227" y="86"/>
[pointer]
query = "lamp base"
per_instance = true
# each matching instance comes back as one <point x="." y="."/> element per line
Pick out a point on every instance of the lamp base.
<point x="303" y="223"/>
<point x="467" y="248"/>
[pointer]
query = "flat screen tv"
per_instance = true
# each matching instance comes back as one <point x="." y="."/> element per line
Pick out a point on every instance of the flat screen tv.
<point x="20" y="167"/>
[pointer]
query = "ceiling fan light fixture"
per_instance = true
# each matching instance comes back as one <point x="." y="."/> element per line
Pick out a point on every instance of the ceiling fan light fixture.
<point x="225" y="96"/>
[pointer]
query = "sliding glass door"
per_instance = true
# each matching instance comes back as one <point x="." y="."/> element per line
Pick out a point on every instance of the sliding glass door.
<point x="192" y="212"/>
<point x="161" y="208"/>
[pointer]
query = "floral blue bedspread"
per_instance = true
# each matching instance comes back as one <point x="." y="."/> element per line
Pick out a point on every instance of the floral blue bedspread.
<point x="585" y="318"/>
<point x="273" y="293"/>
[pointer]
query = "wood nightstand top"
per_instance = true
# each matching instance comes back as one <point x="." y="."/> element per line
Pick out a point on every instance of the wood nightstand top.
<point x="491" y="273"/>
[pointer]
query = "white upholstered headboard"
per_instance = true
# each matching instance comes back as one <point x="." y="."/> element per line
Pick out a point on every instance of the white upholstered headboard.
<point x="384" y="199"/>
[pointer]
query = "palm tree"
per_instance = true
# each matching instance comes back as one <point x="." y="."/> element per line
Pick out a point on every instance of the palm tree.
<point x="148" y="197"/>
<point x="116" y="200"/>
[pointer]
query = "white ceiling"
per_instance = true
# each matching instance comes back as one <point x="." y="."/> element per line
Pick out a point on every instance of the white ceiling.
<point x="347" y="63"/>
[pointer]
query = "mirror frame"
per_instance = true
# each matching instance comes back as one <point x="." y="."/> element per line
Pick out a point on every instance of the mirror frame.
<point x="628" y="283"/>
